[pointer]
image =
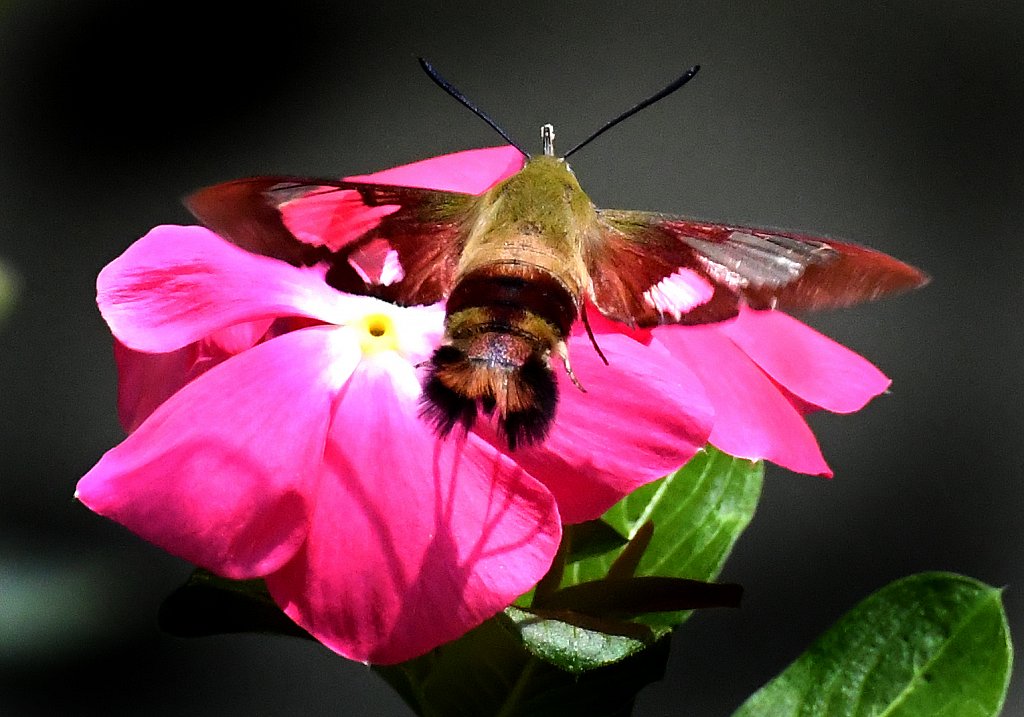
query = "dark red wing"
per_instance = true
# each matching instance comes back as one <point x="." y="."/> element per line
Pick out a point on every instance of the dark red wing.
<point x="244" y="212"/>
<point x="309" y="221"/>
<point x="648" y="269"/>
<point x="632" y="264"/>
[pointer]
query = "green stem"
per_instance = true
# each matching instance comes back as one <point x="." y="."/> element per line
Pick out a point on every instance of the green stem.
<point x="519" y="688"/>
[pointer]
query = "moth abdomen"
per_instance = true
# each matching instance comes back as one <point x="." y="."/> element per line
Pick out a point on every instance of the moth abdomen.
<point x="507" y="287"/>
<point x="523" y="395"/>
<point x="445" y="403"/>
<point x="500" y="332"/>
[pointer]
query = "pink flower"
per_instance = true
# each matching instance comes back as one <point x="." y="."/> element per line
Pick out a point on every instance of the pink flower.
<point x="297" y="454"/>
<point x="275" y="431"/>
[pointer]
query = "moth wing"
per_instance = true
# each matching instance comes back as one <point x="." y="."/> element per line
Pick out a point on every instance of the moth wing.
<point x="243" y="212"/>
<point x="349" y="226"/>
<point x="648" y="269"/>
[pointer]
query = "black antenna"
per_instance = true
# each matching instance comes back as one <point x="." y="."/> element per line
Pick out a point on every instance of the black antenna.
<point x="454" y="92"/>
<point x="686" y="77"/>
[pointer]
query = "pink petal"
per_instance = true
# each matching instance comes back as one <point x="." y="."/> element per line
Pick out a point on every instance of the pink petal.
<point x="144" y="381"/>
<point x="221" y="474"/>
<point x="812" y="366"/>
<point x="414" y="541"/>
<point x="472" y="171"/>
<point x="753" y="419"/>
<point x="236" y="339"/>
<point x="177" y="285"/>
<point x="601" y="324"/>
<point x="642" y="417"/>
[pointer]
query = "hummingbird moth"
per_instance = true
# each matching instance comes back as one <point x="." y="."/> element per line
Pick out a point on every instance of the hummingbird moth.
<point x="519" y="264"/>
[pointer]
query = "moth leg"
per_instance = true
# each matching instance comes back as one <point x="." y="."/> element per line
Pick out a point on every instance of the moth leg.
<point x="562" y="349"/>
<point x="590" y="333"/>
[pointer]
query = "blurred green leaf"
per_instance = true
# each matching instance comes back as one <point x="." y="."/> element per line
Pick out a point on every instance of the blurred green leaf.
<point x="929" y="645"/>
<point x="8" y="289"/>
<point x="211" y="605"/>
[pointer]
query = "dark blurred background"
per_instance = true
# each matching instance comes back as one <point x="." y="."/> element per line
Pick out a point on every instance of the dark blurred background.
<point x="893" y="124"/>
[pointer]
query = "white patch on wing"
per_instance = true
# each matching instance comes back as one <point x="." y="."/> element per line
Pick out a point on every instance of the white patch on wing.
<point x="679" y="293"/>
<point x="377" y="263"/>
<point x="392" y="270"/>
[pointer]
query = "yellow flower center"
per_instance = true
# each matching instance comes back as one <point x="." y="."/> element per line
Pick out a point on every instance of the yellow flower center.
<point x="376" y="334"/>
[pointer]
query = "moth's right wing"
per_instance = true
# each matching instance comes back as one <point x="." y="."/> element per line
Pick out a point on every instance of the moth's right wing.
<point x="648" y="269"/>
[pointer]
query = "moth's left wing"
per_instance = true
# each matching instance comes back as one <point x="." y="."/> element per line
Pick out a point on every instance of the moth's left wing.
<point x="346" y="225"/>
<point x="648" y="269"/>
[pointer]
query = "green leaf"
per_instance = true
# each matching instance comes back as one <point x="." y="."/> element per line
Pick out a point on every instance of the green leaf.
<point x="487" y="672"/>
<point x="697" y="514"/>
<point x="9" y="285"/>
<point x="593" y="538"/>
<point x="211" y="605"/>
<point x="929" y="645"/>
<point x="648" y="559"/>
<point x="577" y="643"/>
